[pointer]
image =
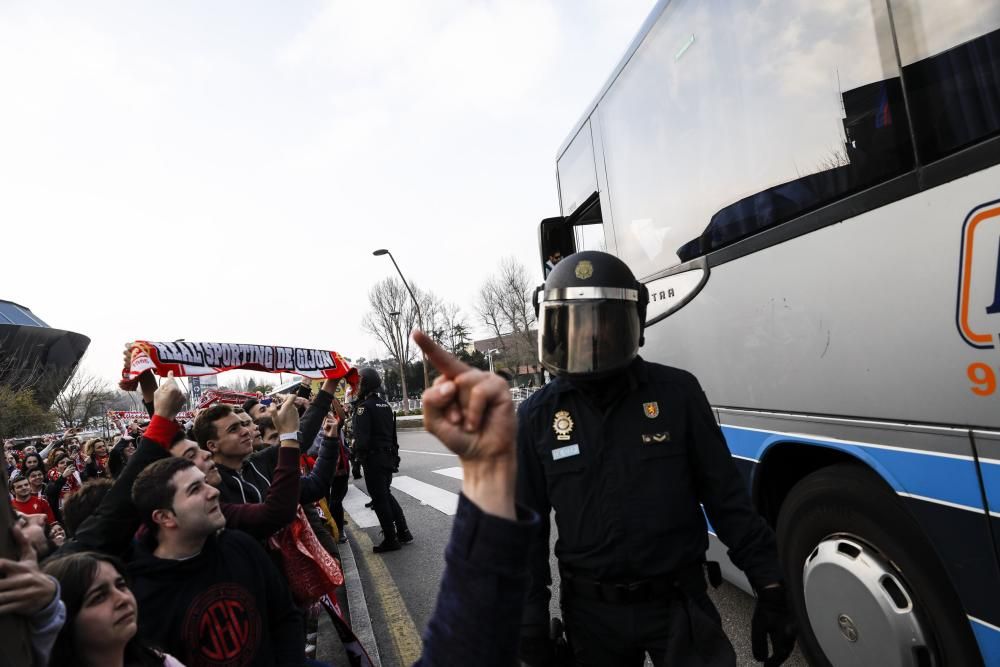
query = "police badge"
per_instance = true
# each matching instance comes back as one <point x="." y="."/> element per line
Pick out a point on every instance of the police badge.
<point x="562" y="425"/>
<point x="652" y="410"/>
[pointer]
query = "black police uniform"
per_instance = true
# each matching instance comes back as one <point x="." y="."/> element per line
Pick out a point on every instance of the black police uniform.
<point x="375" y="446"/>
<point x="627" y="473"/>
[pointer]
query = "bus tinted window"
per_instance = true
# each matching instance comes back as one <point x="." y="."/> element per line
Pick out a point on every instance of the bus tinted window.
<point x="733" y="116"/>
<point x="577" y="175"/>
<point x="951" y="63"/>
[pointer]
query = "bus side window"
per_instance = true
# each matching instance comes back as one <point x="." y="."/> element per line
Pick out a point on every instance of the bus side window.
<point x="732" y="117"/>
<point x="951" y="65"/>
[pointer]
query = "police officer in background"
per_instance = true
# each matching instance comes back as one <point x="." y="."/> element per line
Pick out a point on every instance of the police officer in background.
<point x="627" y="452"/>
<point x="375" y="445"/>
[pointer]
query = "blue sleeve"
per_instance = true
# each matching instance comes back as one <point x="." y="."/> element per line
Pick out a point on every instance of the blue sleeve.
<point x="45" y="626"/>
<point x="477" y="618"/>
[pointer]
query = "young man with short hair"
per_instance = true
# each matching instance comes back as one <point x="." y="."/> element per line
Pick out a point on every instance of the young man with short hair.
<point x="109" y="527"/>
<point x="207" y="595"/>
<point x="247" y="475"/>
<point x="26" y="502"/>
<point x="36" y="479"/>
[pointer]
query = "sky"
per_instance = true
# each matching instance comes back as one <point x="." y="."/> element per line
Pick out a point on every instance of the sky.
<point x="222" y="171"/>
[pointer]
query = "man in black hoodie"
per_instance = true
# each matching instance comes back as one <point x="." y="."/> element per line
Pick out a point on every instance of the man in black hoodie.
<point x="246" y="475"/>
<point x="208" y="596"/>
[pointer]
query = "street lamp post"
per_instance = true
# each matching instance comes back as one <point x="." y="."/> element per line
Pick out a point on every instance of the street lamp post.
<point x="489" y="357"/>
<point x="416" y="304"/>
<point x="402" y="367"/>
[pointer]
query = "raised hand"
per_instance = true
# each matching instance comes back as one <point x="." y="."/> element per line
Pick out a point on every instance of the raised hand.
<point x="286" y="418"/>
<point x="24" y="589"/>
<point x="469" y="410"/>
<point x="330" y="426"/>
<point x="168" y="399"/>
<point x="472" y="413"/>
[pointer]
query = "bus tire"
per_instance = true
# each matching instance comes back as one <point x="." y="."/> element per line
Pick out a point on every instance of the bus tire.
<point x="848" y="547"/>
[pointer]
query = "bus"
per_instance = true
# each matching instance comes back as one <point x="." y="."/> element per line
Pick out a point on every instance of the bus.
<point x="811" y="193"/>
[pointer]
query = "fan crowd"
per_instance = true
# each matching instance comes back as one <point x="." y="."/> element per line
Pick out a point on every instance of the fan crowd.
<point x="216" y="541"/>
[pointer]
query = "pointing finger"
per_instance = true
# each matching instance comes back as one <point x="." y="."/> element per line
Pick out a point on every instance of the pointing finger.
<point x="443" y="361"/>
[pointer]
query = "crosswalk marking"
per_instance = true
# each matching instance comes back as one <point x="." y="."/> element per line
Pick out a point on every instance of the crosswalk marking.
<point x="420" y="451"/>
<point x="354" y="504"/>
<point x="440" y="499"/>
<point x="428" y="494"/>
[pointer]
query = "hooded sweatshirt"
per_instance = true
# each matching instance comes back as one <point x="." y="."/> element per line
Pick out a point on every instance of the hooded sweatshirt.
<point x="228" y="605"/>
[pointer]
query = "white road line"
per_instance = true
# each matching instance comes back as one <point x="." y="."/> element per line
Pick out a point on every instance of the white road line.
<point x="428" y="494"/>
<point x="361" y="621"/>
<point x="455" y="472"/>
<point x="354" y="504"/>
<point x="417" y="451"/>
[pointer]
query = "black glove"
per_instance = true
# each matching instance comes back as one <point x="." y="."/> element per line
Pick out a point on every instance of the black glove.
<point x="772" y="618"/>
<point x="537" y="651"/>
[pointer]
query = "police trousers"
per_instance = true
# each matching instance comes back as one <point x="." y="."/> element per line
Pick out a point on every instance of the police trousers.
<point x="682" y="629"/>
<point x="390" y="515"/>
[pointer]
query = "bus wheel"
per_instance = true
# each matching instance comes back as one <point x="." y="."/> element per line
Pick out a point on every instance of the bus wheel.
<point x="865" y="584"/>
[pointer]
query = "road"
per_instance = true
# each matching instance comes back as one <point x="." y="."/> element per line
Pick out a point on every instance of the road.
<point x="400" y="588"/>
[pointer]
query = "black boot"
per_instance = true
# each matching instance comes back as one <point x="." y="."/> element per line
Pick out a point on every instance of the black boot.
<point x="387" y="545"/>
<point x="405" y="536"/>
<point x="389" y="542"/>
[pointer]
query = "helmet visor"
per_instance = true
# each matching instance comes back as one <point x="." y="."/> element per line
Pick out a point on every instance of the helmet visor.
<point x="587" y="337"/>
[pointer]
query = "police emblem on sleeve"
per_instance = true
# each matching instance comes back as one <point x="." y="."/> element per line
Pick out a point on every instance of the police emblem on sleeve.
<point x="652" y="410"/>
<point x="584" y="269"/>
<point x="562" y="425"/>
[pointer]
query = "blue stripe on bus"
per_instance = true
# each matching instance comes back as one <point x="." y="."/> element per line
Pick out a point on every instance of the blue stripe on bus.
<point x="988" y="638"/>
<point x="991" y="482"/>
<point x="939" y="478"/>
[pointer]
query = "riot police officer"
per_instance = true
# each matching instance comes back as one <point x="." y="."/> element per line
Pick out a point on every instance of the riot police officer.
<point x="376" y="447"/>
<point x="627" y="453"/>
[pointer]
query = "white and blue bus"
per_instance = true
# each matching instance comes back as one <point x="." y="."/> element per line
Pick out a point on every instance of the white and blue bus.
<point x="811" y="192"/>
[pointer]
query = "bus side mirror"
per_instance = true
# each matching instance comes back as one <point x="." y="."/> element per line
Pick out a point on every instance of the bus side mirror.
<point x="555" y="240"/>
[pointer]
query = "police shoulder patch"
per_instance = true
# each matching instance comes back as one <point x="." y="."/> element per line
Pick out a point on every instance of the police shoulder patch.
<point x="361" y="410"/>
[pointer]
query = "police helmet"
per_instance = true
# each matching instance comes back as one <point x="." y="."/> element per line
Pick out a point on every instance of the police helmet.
<point x="591" y="312"/>
<point x="370" y="381"/>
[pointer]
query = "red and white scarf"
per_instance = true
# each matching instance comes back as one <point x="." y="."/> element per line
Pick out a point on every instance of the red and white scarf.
<point x="187" y="359"/>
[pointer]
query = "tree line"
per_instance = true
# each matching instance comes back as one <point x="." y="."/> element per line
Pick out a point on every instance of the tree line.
<point x="502" y="306"/>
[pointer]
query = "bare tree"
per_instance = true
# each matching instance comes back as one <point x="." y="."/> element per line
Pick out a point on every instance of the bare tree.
<point x="128" y="401"/>
<point x="390" y="320"/>
<point x="505" y="307"/>
<point x="84" y="398"/>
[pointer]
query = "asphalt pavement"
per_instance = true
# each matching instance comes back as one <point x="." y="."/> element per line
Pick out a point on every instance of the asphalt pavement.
<point x="400" y="588"/>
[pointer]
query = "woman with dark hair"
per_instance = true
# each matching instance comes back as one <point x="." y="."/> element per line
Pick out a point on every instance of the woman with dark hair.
<point x="32" y="461"/>
<point x="101" y="615"/>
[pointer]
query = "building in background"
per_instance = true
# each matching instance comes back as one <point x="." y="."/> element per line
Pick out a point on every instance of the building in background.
<point x="35" y="356"/>
<point x="514" y="355"/>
